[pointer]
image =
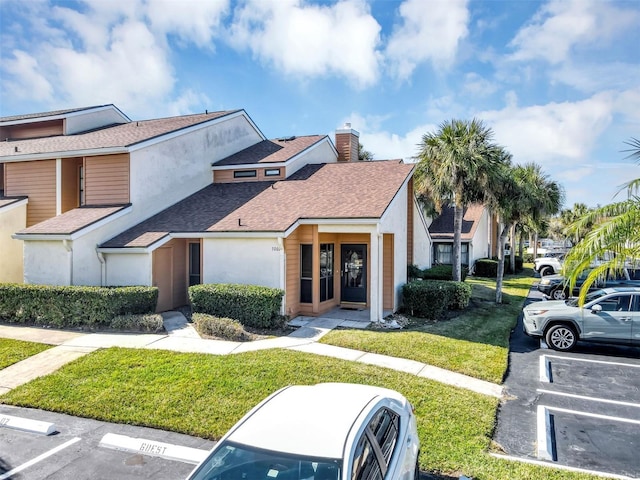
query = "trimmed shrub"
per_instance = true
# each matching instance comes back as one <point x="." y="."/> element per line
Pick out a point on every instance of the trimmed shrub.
<point x="70" y="306"/>
<point x="252" y="305"/>
<point x="426" y="299"/>
<point x="460" y="295"/>
<point x="486" y="267"/>
<point x="442" y="272"/>
<point x="138" y="322"/>
<point x="413" y="272"/>
<point x="221" y="327"/>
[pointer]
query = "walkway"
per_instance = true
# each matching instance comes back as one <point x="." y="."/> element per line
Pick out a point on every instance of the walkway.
<point x="182" y="337"/>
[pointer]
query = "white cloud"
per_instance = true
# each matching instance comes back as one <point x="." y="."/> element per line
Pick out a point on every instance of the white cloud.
<point x="560" y="26"/>
<point x="478" y="86"/>
<point x="429" y="31"/>
<point x="311" y="40"/>
<point x="26" y="80"/>
<point x="552" y="133"/>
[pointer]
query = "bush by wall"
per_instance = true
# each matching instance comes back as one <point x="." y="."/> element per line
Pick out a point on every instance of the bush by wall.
<point x="138" y="322"/>
<point x="413" y="272"/>
<point x="70" y="306"/>
<point x="221" y="327"/>
<point x="426" y="299"/>
<point x="442" y="272"/>
<point x="460" y="295"/>
<point x="486" y="267"/>
<point x="251" y="305"/>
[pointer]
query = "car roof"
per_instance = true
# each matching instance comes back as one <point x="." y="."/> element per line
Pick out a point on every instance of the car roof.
<point x="310" y="420"/>
<point x="621" y="290"/>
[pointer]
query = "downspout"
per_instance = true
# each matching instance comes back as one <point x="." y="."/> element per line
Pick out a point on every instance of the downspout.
<point x="68" y="245"/>
<point x="103" y="267"/>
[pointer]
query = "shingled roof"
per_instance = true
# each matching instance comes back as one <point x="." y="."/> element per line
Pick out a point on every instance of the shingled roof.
<point x="361" y="190"/>
<point x="271" y="151"/>
<point x="72" y="221"/>
<point x="442" y="226"/>
<point x="121" y="135"/>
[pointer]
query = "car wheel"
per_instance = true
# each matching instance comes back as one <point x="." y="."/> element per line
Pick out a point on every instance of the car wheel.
<point x="558" y="294"/>
<point x="546" y="271"/>
<point x="561" y="337"/>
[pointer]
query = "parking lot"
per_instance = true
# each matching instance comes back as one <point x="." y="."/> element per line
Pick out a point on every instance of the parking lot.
<point x="82" y="448"/>
<point x="579" y="410"/>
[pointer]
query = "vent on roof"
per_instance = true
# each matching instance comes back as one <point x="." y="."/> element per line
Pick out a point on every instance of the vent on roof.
<point x="286" y="139"/>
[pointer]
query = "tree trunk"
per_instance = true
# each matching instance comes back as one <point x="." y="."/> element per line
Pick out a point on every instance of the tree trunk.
<point x="535" y="245"/>
<point x="512" y="256"/>
<point x="501" y="242"/>
<point x="458" y="213"/>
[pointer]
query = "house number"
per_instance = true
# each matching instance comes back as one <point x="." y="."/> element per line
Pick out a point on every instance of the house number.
<point x="153" y="449"/>
<point x="276" y="249"/>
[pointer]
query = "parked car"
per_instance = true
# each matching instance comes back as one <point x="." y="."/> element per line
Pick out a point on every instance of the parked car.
<point x="609" y="315"/>
<point x="329" y="431"/>
<point x="548" y="265"/>
<point x="557" y="288"/>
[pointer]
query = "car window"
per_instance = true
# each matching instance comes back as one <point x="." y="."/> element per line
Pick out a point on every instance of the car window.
<point x="376" y="447"/>
<point x="634" y="273"/>
<point x="386" y="427"/>
<point x="635" y="305"/>
<point x="365" y="463"/>
<point x="616" y="303"/>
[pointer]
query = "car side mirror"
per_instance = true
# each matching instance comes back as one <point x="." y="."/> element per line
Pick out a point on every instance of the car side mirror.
<point x="597" y="308"/>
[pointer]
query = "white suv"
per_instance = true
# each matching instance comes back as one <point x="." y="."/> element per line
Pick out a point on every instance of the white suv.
<point x="548" y="265"/>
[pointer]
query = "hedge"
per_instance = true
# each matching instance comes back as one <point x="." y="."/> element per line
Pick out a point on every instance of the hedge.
<point x="251" y="305"/>
<point x="430" y="298"/>
<point x="70" y="306"/>
<point x="442" y="272"/>
<point x="221" y="327"/>
<point x="488" y="268"/>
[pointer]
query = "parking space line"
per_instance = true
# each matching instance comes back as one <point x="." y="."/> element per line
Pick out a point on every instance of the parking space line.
<point x="595" y="399"/>
<point x="39" y="458"/>
<point x="545" y="441"/>
<point x="593" y="415"/>
<point x="153" y="448"/>
<point x="587" y="360"/>
<point x="545" y="369"/>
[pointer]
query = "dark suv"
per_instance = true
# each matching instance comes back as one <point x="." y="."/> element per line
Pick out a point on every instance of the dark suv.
<point x="557" y="288"/>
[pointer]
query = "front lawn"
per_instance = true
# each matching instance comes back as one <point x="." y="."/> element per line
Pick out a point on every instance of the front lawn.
<point x="204" y="395"/>
<point x="14" y="351"/>
<point x="475" y="343"/>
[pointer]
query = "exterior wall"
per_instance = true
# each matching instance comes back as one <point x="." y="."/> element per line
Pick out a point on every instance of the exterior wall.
<point x="106" y="179"/>
<point x="253" y="261"/>
<point x="70" y="183"/>
<point x="12" y="219"/>
<point x="37" y="180"/>
<point x="128" y="269"/>
<point x="422" y="244"/>
<point x="84" y="121"/>
<point x="227" y="176"/>
<point x="170" y="274"/>
<point x="48" y="263"/>
<point x="395" y="221"/>
<point x="480" y="245"/>
<point x="322" y="153"/>
<point x="32" y="130"/>
<point x="388" y="273"/>
<point x="166" y="172"/>
<point x="347" y="145"/>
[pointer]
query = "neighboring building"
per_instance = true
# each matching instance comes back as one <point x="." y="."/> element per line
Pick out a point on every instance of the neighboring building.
<point x="98" y="199"/>
<point x="477" y="239"/>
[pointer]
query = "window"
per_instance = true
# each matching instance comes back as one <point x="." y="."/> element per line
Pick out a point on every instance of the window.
<point x="326" y="271"/>
<point x="386" y="427"/>
<point x="306" y="273"/>
<point x="272" y="172"/>
<point x="443" y="253"/>
<point x="365" y="463"/>
<point x="375" y="448"/>
<point x="244" y="173"/>
<point x="194" y="264"/>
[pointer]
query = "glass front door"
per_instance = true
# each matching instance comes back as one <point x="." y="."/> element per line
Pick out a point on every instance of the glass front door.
<point x="354" y="274"/>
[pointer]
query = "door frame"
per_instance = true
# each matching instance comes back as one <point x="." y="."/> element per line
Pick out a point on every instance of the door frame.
<point x="344" y="297"/>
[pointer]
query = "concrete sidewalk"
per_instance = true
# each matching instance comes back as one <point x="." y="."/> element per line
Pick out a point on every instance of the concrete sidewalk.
<point x="182" y="337"/>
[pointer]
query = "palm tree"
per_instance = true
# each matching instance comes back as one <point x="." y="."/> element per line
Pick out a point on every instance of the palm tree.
<point x="455" y="167"/>
<point x="527" y="196"/>
<point x="613" y="241"/>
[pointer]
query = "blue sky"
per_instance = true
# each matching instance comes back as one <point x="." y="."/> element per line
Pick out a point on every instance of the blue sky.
<point x="558" y="81"/>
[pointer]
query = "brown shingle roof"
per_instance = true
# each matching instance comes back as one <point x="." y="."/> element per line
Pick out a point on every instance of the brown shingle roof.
<point x="442" y="226"/>
<point x="72" y="221"/>
<point x="327" y="191"/>
<point x="271" y="151"/>
<point x="123" y="135"/>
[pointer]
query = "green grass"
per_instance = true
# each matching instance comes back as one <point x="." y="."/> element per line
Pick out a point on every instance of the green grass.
<point x="14" y="351"/>
<point x="204" y="395"/>
<point x="475" y="343"/>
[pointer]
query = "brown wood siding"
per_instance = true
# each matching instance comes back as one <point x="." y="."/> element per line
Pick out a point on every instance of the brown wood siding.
<point x="37" y="180"/>
<point x="70" y="183"/>
<point x="180" y="271"/>
<point x="170" y="274"/>
<point x="106" y="179"/>
<point x="1" y="179"/>
<point x="388" y="271"/>
<point x="32" y="130"/>
<point x="410" y="201"/>
<point x="226" y="176"/>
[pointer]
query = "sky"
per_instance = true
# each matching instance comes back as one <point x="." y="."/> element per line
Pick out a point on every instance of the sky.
<point x="557" y="81"/>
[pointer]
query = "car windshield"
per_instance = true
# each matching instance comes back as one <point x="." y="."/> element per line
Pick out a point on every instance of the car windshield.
<point x="234" y="461"/>
<point x="590" y="298"/>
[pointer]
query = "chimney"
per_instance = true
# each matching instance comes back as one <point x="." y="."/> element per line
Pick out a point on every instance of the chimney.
<point x="347" y="141"/>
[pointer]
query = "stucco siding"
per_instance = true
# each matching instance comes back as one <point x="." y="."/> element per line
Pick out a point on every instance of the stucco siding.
<point x="422" y="245"/>
<point x="394" y="221"/>
<point x="479" y="247"/>
<point x="243" y="260"/>
<point x="47" y="263"/>
<point x="12" y="219"/>
<point x="322" y="153"/>
<point x="128" y="269"/>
